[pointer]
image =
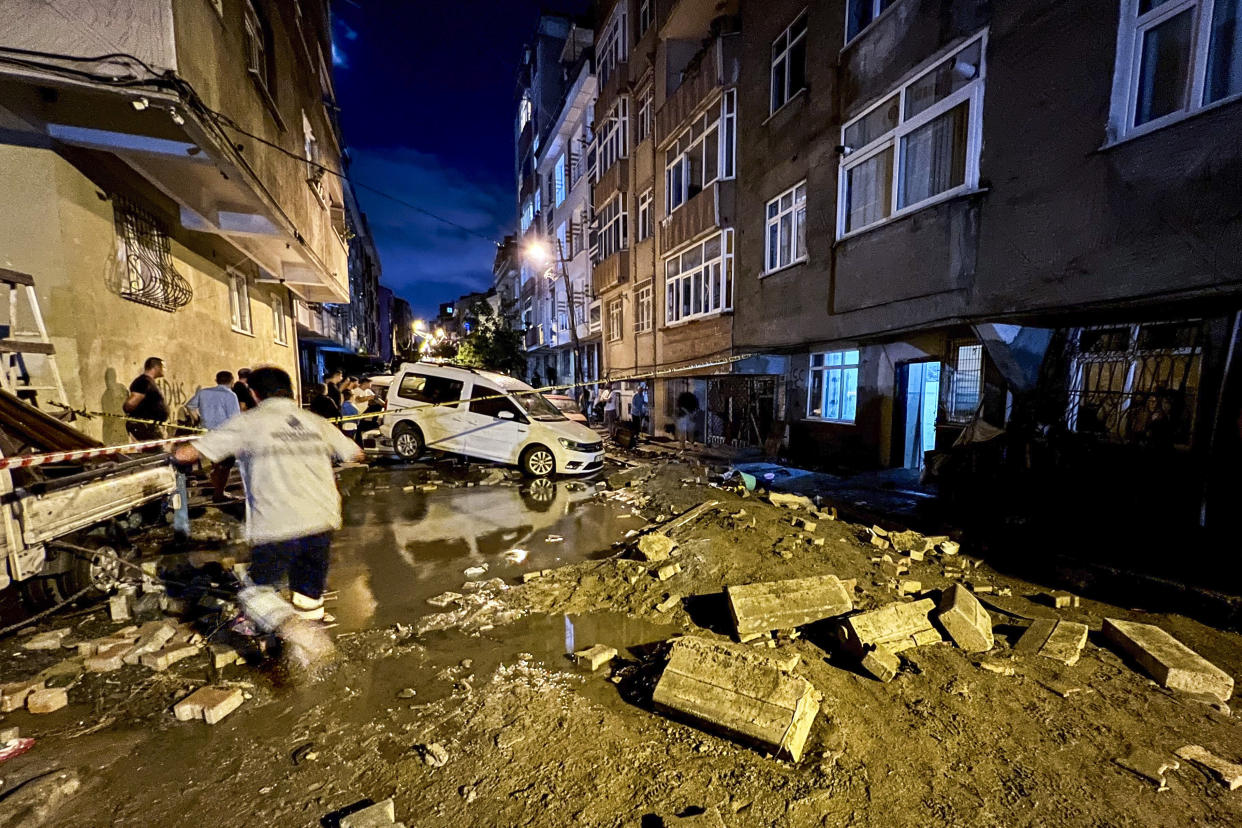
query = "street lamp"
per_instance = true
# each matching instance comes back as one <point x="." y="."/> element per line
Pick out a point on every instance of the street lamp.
<point x="540" y="254"/>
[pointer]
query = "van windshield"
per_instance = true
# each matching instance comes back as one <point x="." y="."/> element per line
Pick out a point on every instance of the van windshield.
<point x="537" y="406"/>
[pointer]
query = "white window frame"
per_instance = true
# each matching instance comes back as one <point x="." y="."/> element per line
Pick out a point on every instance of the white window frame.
<point x="690" y="145"/>
<point x="613" y="223"/>
<point x="826" y="370"/>
<point x="681" y="289"/>
<point x="878" y="8"/>
<point x="314" y="165"/>
<point x="644" y="215"/>
<point x="559" y="177"/>
<point x="614" y="45"/>
<point x="643" y="122"/>
<point x="616" y="321"/>
<point x="1130" y="33"/>
<point x="613" y="137"/>
<point x="528" y="215"/>
<point x="643" y="319"/>
<point x="774" y="215"/>
<point x="971" y="93"/>
<point x="644" y="16"/>
<point x="525" y="110"/>
<point x="280" y="321"/>
<point x="239" y="304"/>
<point x="782" y="48"/>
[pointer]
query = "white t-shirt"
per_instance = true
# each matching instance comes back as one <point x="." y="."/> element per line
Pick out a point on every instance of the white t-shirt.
<point x="285" y="456"/>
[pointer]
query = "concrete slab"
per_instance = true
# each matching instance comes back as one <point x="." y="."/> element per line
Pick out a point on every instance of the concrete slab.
<point x="739" y="692"/>
<point x="897" y="626"/>
<point x="1170" y="662"/>
<point x="1065" y="643"/>
<point x="1229" y="773"/>
<point x="783" y="605"/>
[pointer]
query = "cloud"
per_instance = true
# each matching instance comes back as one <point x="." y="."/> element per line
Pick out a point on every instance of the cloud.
<point x="424" y="260"/>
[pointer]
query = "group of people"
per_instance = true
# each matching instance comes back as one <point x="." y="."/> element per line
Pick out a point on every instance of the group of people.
<point x="342" y="396"/>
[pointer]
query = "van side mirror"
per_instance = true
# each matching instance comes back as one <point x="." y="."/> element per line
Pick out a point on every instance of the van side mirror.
<point x="504" y="415"/>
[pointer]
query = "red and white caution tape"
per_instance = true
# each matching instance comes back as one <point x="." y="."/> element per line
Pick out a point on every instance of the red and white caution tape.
<point x="27" y="460"/>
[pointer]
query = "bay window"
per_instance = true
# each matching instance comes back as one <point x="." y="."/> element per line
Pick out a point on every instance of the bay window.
<point x="786" y="228"/>
<point x="833" y="391"/>
<point x="613" y="45"/>
<point x="612" y="221"/>
<point x="699" y="157"/>
<point x="698" y="281"/>
<point x="918" y="144"/>
<point x="613" y="136"/>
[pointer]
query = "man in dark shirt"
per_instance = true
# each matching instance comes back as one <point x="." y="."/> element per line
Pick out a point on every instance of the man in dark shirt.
<point x="242" y="389"/>
<point x="146" y="402"/>
<point x="334" y="381"/>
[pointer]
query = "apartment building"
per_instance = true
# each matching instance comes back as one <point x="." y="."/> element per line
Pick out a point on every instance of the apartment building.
<point x="166" y="194"/>
<point x="957" y="217"/>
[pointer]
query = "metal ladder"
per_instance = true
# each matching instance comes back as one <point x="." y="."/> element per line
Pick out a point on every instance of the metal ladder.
<point x="14" y="376"/>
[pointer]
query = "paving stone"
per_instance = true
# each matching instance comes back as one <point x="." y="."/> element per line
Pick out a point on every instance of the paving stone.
<point x="151" y="637"/>
<point x="444" y="599"/>
<point x="667" y="571"/>
<point x="882" y="663"/>
<point x="668" y="603"/>
<point x="740" y="692"/>
<point x="909" y="587"/>
<point x="1149" y="765"/>
<point x="162" y="660"/>
<point x="898" y="626"/>
<point x="783" y="605"/>
<point x="595" y="657"/>
<point x="1035" y="636"/>
<point x="1065" y="643"/>
<point x="379" y="815"/>
<point x="107" y="659"/>
<point x="50" y="640"/>
<point x="47" y="700"/>
<point x="211" y="704"/>
<point x="655" y="546"/>
<point x="1170" y="662"/>
<point x="786" y="500"/>
<point x="13" y="695"/>
<point x="965" y="619"/>
<point x="222" y="655"/>
<point x="1229" y="773"/>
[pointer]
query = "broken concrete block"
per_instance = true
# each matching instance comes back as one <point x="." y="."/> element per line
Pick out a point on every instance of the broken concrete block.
<point x="965" y="619"/>
<point x="222" y="655"/>
<point x="655" y="546"/>
<point x="151" y="637"/>
<point x="880" y="542"/>
<point x="893" y="569"/>
<point x="50" y="640"/>
<point x="107" y="659"/>
<point x="1170" y="662"/>
<point x="163" y="659"/>
<point x="740" y="692"/>
<point x="118" y="608"/>
<point x="13" y="695"/>
<point x="791" y="501"/>
<point x="1001" y="668"/>
<point x="211" y="704"/>
<point x="879" y="531"/>
<point x="667" y="571"/>
<point x="950" y="547"/>
<point x="1229" y="773"/>
<point x="1065" y="643"/>
<point x="893" y="625"/>
<point x="882" y="663"/>
<point x="47" y="700"/>
<point x="916" y="554"/>
<point x="1035" y="636"/>
<point x="1059" y="599"/>
<point x="782" y="605"/>
<point x="906" y="541"/>
<point x="379" y="815"/>
<point x="808" y="525"/>
<point x="595" y="657"/>
<point x="909" y="587"/>
<point x="444" y="599"/>
<point x="668" y="603"/>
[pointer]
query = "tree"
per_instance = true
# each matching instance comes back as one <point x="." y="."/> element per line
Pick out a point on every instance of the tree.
<point x="493" y="343"/>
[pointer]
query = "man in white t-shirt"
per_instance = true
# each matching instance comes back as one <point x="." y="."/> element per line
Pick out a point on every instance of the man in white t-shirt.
<point x="285" y="455"/>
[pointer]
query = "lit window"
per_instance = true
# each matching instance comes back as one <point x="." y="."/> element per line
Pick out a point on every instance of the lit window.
<point x="789" y="63"/>
<point x="642" y="313"/>
<point x="239" y="303"/>
<point x="966" y="385"/>
<point x="613" y="138"/>
<point x="786" y="228"/>
<point x="613" y="45"/>
<point x="528" y="215"/>
<point x="861" y="13"/>
<point x="558" y="181"/>
<point x="524" y="113"/>
<point x="280" y="326"/>
<point x="698" y="282"/>
<point x="615" y="320"/>
<point x="833" y="393"/>
<point x="917" y="144"/>
<point x="612" y="221"/>
<point x="698" y="157"/>
<point x="644" y="215"/>
<point x="1174" y="57"/>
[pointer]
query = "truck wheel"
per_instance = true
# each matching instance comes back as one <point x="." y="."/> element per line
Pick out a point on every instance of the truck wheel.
<point x="538" y="461"/>
<point x="407" y="441"/>
<point x="103" y="571"/>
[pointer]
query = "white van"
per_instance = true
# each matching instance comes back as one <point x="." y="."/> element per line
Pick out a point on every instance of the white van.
<point x="485" y="415"/>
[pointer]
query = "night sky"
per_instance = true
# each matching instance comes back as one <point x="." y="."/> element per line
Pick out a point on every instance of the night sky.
<point x="427" y="98"/>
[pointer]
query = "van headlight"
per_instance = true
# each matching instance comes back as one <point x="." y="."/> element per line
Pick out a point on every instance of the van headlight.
<point x="573" y="445"/>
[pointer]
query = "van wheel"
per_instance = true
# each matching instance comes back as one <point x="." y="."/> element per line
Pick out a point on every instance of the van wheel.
<point x="407" y="440"/>
<point x="538" y="461"/>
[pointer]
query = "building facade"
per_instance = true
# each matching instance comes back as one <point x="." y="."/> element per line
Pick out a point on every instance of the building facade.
<point x="174" y="200"/>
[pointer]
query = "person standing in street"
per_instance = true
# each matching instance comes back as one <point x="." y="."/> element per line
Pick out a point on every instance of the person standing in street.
<point x="638" y="410"/>
<point x="322" y="404"/>
<point x="146" y="402"/>
<point x="610" y="400"/>
<point x="292" y="508"/>
<point x="214" y="407"/>
<point x="687" y="408"/>
<point x="242" y="389"/>
<point x="334" y="381"/>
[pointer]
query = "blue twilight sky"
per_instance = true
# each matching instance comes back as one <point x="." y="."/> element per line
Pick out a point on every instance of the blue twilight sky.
<point x="426" y="91"/>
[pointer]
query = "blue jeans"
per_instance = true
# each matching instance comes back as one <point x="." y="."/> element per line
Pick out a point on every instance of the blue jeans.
<point x="304" y="560"/>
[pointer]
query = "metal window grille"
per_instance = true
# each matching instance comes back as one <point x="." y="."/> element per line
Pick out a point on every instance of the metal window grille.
<point x="149" y="277"/>
<point x="966" y="382"/>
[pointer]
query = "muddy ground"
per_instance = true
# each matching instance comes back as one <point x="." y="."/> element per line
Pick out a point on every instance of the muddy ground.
<point x="530" y="739"/>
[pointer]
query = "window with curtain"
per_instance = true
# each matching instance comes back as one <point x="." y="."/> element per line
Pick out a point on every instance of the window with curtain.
<point x="833" y="391"/>
<point x="786" y="228"/>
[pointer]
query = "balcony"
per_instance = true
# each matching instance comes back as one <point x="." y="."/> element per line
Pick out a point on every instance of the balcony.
<point x="611" y="181"/>
<point x="713" y="70"/>
<point x="618" y="81"/>
<point x="534" y="337"/>
<point x="713" y="207"/>
<point x="609" y="273"/>
<point x="318" y="324"/>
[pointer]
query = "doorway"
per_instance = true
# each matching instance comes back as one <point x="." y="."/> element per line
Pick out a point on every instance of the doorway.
<point x="917" y="410"/>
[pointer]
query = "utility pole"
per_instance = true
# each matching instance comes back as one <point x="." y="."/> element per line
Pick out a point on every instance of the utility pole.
<point x="575" y="358"/>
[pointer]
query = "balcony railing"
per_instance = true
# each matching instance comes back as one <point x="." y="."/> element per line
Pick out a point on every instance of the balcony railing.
<point x="610" y="272"/>
<point x="716" y="68"/>
<point x="713" y="207"/>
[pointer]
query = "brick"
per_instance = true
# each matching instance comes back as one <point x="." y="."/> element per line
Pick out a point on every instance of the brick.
<point x="211" y="704"/>
<point x="151" y="637"/>
<point x="107" y="659"/>
<point x="783" y="605"/>
<point x="740" y="692"/>
<point x="808" y="525"/>
<point x="1170" y="662"/>
<point x="893" y="569"/>
<point x="13" y="695"/>
<point x="222" y="655"/>
<point x="882" y="663"/>
<point x="667" y="571"/>
<point x="879" y="542"/>
<point x="50" y="640"/>
<point x="1229" y="773"/>
<point x="909" y="587"/>
<point x="655" y="546"/>
<point x="162" y="660"/>
<point x="118" y="608"/>
<point x="595" y="657"/>
<point x="898" y="626"/>
<point x="965" y="619"/>
<point x="1065" y="643"/>
<point x="379" y="815"/>
<point x="47" y="700"/>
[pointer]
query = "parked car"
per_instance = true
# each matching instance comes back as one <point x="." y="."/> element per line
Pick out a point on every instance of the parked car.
<point x="567" y="407"/>
<point x="484" y="415"/>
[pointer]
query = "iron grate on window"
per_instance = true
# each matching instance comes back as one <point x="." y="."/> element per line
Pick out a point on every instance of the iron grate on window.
<point x="149" y="277"/>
